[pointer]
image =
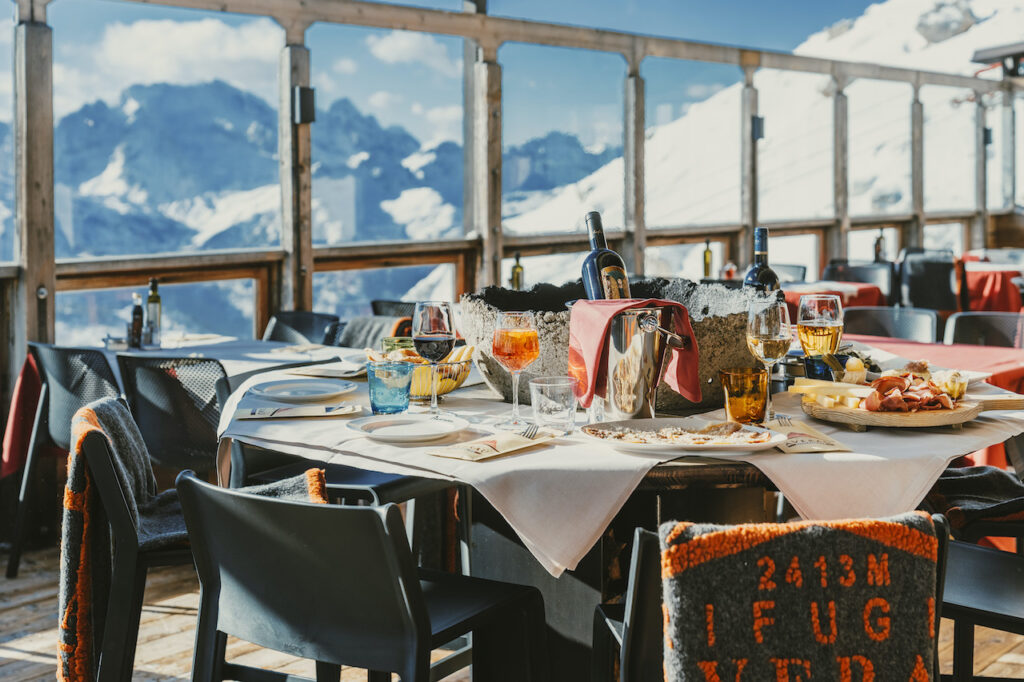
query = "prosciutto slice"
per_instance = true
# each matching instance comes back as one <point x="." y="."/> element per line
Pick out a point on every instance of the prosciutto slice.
<point x="906" y="393"/>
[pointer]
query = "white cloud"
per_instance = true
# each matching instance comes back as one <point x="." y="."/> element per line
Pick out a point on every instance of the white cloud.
<point x="345" y="66"/>
<point x="416" y="108"/>
<point x="167" y="51"/>
<point x="383" y="100"/>
<point x="447" y="122"/>
<point x="407" y="47"/>
<point x="702" y="90"/>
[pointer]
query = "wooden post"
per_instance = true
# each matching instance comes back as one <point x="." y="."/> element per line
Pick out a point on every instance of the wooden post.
<point x="469" y="59"/>
<point x="836" y="236"/>
<point x="1009" y="151"/>
<point x="633" y="164"/>
<point x="31" y="317"/>
<point x="296" y="283"/>
<point x="487" y="165"/>
<point x="915" y="232"/>
<point x="979" y="225"/>
<point x="748" y="170"/>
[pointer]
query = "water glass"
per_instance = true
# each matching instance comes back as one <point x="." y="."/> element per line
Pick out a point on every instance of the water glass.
<point x="746" y="394"/>
<point x="554" y="403"/>
<point x="389" y="383"/>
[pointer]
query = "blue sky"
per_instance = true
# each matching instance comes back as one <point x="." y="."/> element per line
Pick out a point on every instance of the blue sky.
<point x="413" y="80"/>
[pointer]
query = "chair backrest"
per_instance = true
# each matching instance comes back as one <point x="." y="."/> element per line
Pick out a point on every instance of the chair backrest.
<point x="882" y="275"/>
<point x="174" y="402"/>
<point x="393" y="308"/>
<point x="112" y="495"/>
<point x="986" y="329"/>
<point x="73" y="377"/>
<point x="642" y="633"/>
<point x="773" y="586"/>
<point x="928" y="279"/>
<point x="344" y="585"/>
<point x="332" y="337"/>
<point x="913" y="324"/>
<point x="790" y="273"/>
<point x="367" y="331"/>
<point x="298" y="326"/>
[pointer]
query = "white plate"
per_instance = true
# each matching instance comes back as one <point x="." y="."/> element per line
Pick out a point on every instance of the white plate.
<point x="407" y="428"/>
<point x="714" y="450"/>
<point x="302" y="390"/>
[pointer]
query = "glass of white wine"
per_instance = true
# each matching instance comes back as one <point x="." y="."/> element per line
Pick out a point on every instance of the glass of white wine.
<point x="769" y="336"/>
<point x="819" y="324"/>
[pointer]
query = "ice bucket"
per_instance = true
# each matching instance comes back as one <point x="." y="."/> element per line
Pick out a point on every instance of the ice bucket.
<point x="635" y="360"/>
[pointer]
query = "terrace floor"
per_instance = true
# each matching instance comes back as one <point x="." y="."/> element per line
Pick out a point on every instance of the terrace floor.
<point x="28" y="631"/>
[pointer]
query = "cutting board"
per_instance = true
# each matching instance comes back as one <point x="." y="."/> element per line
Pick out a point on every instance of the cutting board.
<point x="967" y="408"/>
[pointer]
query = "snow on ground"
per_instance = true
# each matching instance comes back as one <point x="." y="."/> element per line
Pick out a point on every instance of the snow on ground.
<point x="210" y="214"/>
<point x="423" y="212"/>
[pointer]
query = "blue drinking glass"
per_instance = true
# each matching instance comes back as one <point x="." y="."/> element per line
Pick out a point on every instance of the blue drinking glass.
<point x="389" y="386"/>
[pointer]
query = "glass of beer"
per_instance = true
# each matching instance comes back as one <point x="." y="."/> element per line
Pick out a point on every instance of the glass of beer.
<point x="746" y="394"/>
<point x="769" y="336"/>
<point x="819" y="324"/>
<point x="515" y="345"/>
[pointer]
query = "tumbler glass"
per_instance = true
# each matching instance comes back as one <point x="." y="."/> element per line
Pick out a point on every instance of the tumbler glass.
<point x="554" y="403"/>
<point x="389" y="384"/>
<point x="746" y="394"/>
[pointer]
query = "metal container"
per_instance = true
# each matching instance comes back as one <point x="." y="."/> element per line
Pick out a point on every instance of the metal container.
<point x="635" y="361"/>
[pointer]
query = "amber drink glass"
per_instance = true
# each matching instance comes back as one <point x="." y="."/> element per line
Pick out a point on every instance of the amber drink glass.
<point x="746" y="394"/>
<point x="515" y="345"/>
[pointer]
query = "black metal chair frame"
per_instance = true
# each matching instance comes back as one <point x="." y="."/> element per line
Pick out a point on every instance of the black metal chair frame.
<point x="43" y="433"/>
<point x="1008" y="320"/>
<point x="130" y="564"/>
<point x="298" y="326"/>
<point x="891" y="317"/>
<point x="361" y="600"/>
<point x="882" y="275"/>
<point x="634" y="628"/>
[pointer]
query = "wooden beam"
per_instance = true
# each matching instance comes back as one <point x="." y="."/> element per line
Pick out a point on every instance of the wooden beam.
<point x="202" y="261"/>
<point x="979" y="227"/>
<point x="487" y="166"/>
<point x="633" y="166"/>
<point x="835" y="236"/>
<point x="361" y="250"/>
<point x="31" y="316"/>
<point x="1009" y="149"/>
<point x="469" y="59"/>
<point x="913" y="234"/>
<point x="748" y="171"/>
<point x="296" y="184"/>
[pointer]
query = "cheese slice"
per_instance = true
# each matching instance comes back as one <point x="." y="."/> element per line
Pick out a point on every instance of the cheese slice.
<point x="814" y="387"/>
<point x="825" y="400"/>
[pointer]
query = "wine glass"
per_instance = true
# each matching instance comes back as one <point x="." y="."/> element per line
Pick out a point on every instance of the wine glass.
<point x="819" y="324"/>
<point x="768" y="337"/>
<point x="515" y="346"/>
<point x="433" y="337"/>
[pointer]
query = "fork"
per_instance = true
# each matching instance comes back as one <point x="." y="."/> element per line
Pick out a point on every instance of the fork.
<point x="784" y="420"/>
<point x="530" y="432"/>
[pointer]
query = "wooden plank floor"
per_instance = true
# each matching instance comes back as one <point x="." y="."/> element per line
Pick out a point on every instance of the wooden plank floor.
<point x="28" y="631"/>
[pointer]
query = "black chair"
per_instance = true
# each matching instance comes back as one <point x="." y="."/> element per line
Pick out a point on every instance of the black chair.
<point x="986" y="329"/>
<point x="930" y="279"/>
<point x="130" y="563"/>
<point x="71" y="378"/>
<point x="882" y="275"/>
<point x="174" y="402"/>
<point x="298" y="326"/>
<point x="633" y="631"/>
<point x="913" y="324"/>
<point x="361" y="601"/>
<point x="332" y="337"/>
<point x="790" y="273"/>
<point x="393" y="308"/>
<point x="984" y="587"/>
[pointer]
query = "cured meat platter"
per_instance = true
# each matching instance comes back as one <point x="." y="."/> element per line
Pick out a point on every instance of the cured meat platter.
<point x="966" y="409"/>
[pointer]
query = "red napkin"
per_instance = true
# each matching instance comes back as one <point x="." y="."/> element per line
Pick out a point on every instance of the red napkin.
<point x="588" y="347"/>
<point x="21" y="419"/>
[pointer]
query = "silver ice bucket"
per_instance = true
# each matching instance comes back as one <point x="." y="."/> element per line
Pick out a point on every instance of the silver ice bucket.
<point x="635" y="361"/>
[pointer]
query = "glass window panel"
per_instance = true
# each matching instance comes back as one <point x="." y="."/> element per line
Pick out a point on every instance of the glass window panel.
<point x="83" y="318"/>
<point x="692" y="155"/>
<point x="387" y="143"/>
<point x="860" y="244"/>
<point x="796" y="249"/>
<point x="879" y="147"/>
<point x="165" y="129"/>
<point x="7" y="145"/>
<point x="562" y="138"/>
<point x="795" y="160"/>
<point x="682" y="260"/>
<point x="944" y="236"/>
<point x="348" y="293"/>
<point x="555" y="269"/>
<point x="948" y="148"/>
<point x="994" y="153"/>
<point x="1018" y="125"/>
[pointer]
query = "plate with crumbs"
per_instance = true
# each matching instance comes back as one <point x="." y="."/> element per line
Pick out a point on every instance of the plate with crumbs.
<point x="667" y="435"/>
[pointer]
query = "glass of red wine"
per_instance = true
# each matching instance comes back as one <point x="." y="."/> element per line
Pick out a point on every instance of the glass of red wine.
<point x="433" y="336"/>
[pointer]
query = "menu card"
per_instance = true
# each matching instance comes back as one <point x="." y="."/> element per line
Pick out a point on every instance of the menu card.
<point x="303" y="411"/>
<point x="802" y="437"/>
<point x="496" y="445"/>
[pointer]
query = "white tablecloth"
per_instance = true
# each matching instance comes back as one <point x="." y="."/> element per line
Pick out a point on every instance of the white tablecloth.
<point x="560" y="497"/>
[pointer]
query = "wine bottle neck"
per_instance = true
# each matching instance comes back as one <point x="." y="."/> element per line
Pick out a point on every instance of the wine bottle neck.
<point x="597" y="239"/>
<point x="761" y="247"/>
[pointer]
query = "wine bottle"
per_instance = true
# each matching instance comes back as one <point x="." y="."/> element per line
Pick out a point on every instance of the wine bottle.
<point x="707" y="258"/>
<point x="135" y="339"/>
<point x="516" y="281"/>
<point x="759" y="275"/>
<point x="154" y="312"/>
<point x="880" y="247"/>
<point x="604" y="273"/>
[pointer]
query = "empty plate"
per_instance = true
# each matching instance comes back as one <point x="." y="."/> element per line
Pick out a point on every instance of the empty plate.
<point x="302" y="390"/>
<point x="407" y="428"/>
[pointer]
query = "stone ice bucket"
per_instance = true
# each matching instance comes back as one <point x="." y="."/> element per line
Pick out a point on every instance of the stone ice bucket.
<point x="718" y="316"/>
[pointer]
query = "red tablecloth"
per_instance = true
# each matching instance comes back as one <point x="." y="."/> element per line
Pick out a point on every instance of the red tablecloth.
<point x="992" y="290"/>
<point x="852" y="294"/>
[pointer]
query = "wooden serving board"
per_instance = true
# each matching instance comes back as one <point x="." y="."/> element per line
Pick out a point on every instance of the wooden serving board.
<point x="859" y="419"/>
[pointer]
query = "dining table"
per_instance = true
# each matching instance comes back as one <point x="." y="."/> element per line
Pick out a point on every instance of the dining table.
<point x="556" y="501"/>
<point x="851" y="294"/>
<point x="990" y="286"/>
